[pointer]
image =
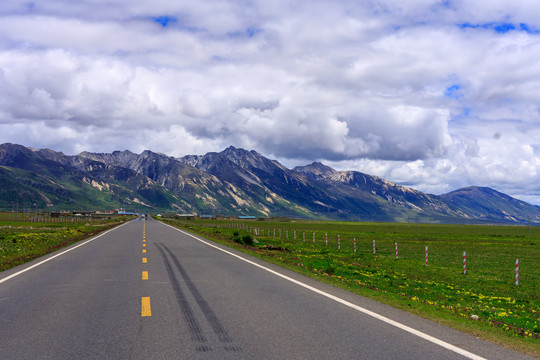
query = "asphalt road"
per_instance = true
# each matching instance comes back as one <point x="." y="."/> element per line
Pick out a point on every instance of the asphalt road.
<point x="147" y="291"/>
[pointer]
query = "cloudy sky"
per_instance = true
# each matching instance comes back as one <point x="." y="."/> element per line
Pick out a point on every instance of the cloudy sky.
<point x="434" y="95"/>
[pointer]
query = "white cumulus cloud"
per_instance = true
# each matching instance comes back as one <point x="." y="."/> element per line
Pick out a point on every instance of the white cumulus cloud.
<point x="432" y="94"/>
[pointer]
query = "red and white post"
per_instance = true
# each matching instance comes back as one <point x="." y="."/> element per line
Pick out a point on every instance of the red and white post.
<point x="426" y="256"/>
<point x="304" y="236"/>
<point x="339" y="242"/>
<point x="397" y="257"/>
<point x="354" y="244"/>
<point x="464" y="263"/>
<point x="517" y="272"/>
<point x="373" y="247"/>
<point x="294" y="234"/>
<point x="326" y="239"/>
<point x="314" y="238"/>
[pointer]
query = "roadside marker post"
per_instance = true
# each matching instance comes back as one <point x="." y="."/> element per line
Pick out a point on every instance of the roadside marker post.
<point x="304" y="236"/>
<point x="314" y="238"/>
<point x="396" y="251"/>
<point x="464" y="263"/>
<point x="326" y="239"/>
<point x="426" y="256"/>
<point x="339" y="242"/>
<point x="355" y="245"/>
<point x="373" y="247"/>
<point x="517" y="272"/>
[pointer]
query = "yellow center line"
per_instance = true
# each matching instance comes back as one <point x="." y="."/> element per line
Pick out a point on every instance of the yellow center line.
<point x="144" y="251"/>
<point x="145" y="307"/>
<point x="145" y="301"/>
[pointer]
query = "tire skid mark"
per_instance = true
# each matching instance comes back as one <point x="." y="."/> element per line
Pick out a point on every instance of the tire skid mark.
<point x="220" y="331"/>
<point x="193" y="325"/>
<point x="210" y="315"/>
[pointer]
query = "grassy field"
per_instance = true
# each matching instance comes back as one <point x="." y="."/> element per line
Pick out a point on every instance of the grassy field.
<point x="22" y="241"/>
<point x="484" y="302"/>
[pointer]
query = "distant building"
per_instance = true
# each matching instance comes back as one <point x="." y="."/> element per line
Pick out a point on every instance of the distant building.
<point x="185" y="216"/>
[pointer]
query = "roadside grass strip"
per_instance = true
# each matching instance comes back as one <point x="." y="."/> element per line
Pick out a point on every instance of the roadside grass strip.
<point x="57" y="255"/>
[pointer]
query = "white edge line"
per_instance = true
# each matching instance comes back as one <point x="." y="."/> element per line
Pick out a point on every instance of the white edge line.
<point x="57" y="255"/>
<point x="401" y="326"/>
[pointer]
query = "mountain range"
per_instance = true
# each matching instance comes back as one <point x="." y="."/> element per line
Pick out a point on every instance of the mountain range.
<point x="234" y="182"/>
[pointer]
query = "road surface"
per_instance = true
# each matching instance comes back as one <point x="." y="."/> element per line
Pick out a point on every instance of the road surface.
<point x="145" y="290"/>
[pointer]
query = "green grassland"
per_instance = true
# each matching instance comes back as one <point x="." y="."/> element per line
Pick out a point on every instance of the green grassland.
<point x="484" y="302"/>
<point x="22" y="241"/>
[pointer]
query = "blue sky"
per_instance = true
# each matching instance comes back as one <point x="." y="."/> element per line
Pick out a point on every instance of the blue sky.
<point x="165" y="20"/>
<point x="502" y="27"/>
<point x="434" y="95"/>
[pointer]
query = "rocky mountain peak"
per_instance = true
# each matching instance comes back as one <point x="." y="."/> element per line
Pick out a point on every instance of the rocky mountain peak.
<point x="203" y="162"/>
<point x="239" y="155"/>
<point x="251" y="159"/>
<point x="9" y="148"/>
<point x="316" y="170"/>
<point x="13" y="154"/>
